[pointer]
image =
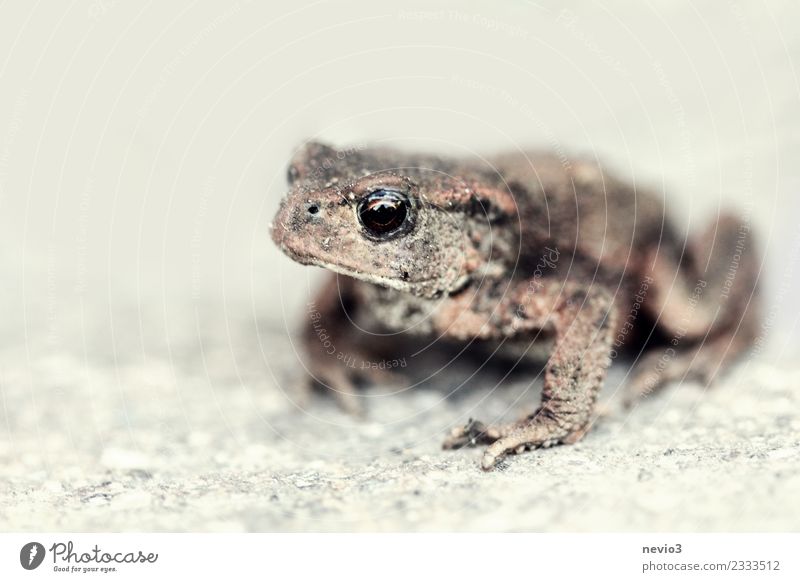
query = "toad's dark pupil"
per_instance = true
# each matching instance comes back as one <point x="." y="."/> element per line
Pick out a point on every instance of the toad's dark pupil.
<point x="383" y="211"/>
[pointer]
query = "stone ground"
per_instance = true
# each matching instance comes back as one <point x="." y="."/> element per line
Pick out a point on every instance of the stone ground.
<point x="181" y="444"/>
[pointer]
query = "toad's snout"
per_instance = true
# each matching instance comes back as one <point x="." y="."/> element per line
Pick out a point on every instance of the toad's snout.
<point x="296" y="226"/>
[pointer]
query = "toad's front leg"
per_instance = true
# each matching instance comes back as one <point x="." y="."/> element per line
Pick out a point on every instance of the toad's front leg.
<point x="337" y="355"/>
<point x="581" y="319"/>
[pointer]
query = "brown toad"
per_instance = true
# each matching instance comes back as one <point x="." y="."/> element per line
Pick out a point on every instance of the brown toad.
<point x="512" y="252"/>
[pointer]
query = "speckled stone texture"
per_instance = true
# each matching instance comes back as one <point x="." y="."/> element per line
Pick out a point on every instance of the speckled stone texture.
<point x="213" y="443"/>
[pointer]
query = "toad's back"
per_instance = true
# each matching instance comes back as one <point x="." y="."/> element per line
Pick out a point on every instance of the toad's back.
<point x="601" y="227"/>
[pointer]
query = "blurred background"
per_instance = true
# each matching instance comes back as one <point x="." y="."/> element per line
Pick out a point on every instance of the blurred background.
<point x="143" y="152"/>
<point x="144" y="147"/>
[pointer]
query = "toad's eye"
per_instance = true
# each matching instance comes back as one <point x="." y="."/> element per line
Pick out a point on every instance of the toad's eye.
<point x="384" y="213"/>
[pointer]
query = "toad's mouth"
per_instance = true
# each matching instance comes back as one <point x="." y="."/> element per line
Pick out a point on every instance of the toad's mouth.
<point x="379" y="280"/>
<point x="303" y="254"/>
<point x="402" y="282"/>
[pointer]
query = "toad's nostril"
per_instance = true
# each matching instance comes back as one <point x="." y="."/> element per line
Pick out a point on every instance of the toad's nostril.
<point x="312" y="209"/>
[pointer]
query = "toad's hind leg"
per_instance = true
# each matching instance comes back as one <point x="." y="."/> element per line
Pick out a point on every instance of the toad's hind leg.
<point x="708" y="307"/>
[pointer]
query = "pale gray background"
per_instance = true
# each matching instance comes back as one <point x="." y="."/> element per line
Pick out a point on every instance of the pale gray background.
<point x="145" y="348"/>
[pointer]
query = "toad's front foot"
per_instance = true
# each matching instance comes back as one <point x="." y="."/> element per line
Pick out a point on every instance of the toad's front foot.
<point x="530" y="433"/>
<point x="471" y="434"/>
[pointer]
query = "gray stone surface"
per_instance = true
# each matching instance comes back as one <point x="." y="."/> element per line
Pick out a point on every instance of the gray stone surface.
<point x="213" y="443"/>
